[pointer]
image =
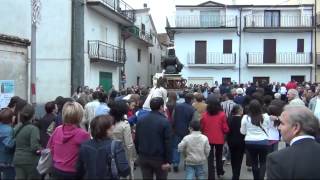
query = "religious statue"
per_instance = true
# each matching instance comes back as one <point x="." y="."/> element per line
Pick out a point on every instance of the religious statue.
<point x="171" y="63"/>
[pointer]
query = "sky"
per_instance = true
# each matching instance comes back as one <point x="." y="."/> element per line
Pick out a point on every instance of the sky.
<point x="160" y="9"/>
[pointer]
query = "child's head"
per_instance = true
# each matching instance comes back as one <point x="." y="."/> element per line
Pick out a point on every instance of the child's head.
<point x="195" y="125"/>
<point x="237" y="110"/>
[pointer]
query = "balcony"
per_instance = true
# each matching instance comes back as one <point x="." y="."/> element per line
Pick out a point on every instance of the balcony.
<point x="103" y="52"/>
<point x="140" y="36"/>
<point x="191" y="23"/>
<point x="255" y="23"/>
<point x="282" y="59"/>
<point x="116" y="10"/>
<point x="213" y="60"/>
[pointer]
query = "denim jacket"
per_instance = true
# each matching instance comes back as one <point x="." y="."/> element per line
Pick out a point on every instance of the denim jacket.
<point x="95" y="157"/>
<point x="7" y="144"/>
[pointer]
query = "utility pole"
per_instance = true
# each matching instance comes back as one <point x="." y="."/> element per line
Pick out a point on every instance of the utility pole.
<point x="35" y="17"/>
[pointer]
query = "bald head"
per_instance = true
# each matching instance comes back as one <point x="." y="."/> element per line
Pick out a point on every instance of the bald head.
<point x="304" y="117"/>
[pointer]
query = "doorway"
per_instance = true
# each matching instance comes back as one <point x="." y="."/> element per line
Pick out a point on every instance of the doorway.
<point x="105" y="79"/>
<point x="269" y="51"/>
<point x="200" y="52"/>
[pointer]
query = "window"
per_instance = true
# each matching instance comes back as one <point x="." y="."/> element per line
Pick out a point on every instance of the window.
<point x="227" y="46"/>
<point x="154" y="59"/>
<point x="150" y="58"/>
<point x="151" y="82"/>
<point x="138" y="81"/>
<point x="272" y="18"/>
<point x="139" y="55"/>
<point x="300" y="45"/>
<point x="143" y="29"/>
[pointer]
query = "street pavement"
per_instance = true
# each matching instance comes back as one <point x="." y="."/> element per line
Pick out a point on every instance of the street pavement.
<point x="245" y="174"/>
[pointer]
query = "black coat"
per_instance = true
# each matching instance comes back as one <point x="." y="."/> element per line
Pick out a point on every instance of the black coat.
<point x="43" y="125"/>
<point x="299" y="161"/>
<point x="153" y="137"/>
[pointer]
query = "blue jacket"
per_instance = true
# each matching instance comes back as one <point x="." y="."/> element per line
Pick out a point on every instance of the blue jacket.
<point x="153" y="137"/>
<point x="7" y="144"/>
<point x="134" y="119"/>
<point x="183" y="114"/>
<point x="95" y="158"/>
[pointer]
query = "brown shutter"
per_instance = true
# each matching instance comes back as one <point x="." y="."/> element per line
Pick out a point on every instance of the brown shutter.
<point x="300" y="45"/>
<point x="227" y="46"/>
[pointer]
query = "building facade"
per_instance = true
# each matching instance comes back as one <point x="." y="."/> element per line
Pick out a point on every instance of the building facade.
<point x="244" y="43"/>
<point x="143" y="50"/>
<point x="79" y="42"/>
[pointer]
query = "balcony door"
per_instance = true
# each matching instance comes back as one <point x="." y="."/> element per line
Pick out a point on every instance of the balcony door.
<point x="209" y="18"/>
<point x="272" y="18"/>
<point x="269" y="51"/>
<point x="200" y="52"/>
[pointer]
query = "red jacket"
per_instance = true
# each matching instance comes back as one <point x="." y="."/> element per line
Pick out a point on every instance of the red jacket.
<point x="291" y="85"/>
<point x="214" y="127"/>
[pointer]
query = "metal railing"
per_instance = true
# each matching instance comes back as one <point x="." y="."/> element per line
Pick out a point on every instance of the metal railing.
<point x="121" y="7"/>
<point x="282" y="58"/>
<point x="214" y="58"/>
<point x="104" y="51"/>
<point x="278" y="21"/>
<point x="205" y="21"/>
<point x="136" y="32"/>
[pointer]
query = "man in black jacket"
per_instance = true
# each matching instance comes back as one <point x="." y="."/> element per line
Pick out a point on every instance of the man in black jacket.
<point x="299" y="161"/>
<point x="153" y="142"/>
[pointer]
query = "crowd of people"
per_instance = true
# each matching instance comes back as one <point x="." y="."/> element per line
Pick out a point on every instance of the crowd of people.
<point x="104" y="135"/>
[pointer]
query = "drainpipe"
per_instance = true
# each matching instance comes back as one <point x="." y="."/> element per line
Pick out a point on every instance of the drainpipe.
<point x="315" y="42"/>
<point x="239" y="34"/>
<point x="311" y="55"/>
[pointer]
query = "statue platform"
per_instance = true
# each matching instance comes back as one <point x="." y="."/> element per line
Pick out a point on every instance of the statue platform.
<point x="175" y="82"/>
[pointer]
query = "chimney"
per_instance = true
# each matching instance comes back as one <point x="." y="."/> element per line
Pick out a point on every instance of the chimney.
<point x="145" y="5"/>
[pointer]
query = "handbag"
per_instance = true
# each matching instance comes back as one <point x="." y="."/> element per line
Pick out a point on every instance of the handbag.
<point x="45" y="162"/>
<point x="114" y="169"/>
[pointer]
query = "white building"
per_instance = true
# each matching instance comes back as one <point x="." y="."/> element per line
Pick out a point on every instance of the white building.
<point x="218" y="42"/>
<point x="143" y="50"/>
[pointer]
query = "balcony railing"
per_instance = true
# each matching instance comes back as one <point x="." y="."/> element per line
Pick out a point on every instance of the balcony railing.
<point x="137" y="33"/>
<point x="100" y="50"/>
<point x="205" y="21"/>
<point x="282" y="58"/>
<point x="120" y="7"/>
<point x="254" y="21"/>
<point x="214" y="58"/>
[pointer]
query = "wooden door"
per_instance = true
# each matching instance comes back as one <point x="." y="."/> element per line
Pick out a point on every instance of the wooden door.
<point x="200" y="52"/>
<point x="105" y="79"/>
<point x="269" y="51"/>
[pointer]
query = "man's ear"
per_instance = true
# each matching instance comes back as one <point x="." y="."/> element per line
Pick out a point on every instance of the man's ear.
<point x="296" y="128"/>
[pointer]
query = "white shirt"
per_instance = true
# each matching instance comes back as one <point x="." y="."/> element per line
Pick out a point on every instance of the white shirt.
<point x="273" y="132"/>
<point x="253" y="132"/>
<point x="89" y="113"/>
<point x="300" y="137"/>
<point x="283" y="90"/>
<point x="317" y="109"/>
